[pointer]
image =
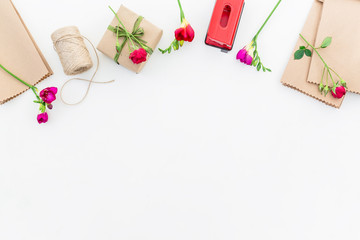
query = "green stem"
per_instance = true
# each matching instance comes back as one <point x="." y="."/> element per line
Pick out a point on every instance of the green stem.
<point x="315" y="51"/>
<point x="141" y="45"/>
<point x="272" y="12"/>
<point x="33" y="88"/>
<point x="23" y="82"/>
<point x="327" y="79"/>
<point x="182" y="15"/>
<point x="335" y="73"/>
<point x="332" y="79"/>
<point x="322" y="78"/>
<point x="117" y="37"/>
<point x="127" y="33"/>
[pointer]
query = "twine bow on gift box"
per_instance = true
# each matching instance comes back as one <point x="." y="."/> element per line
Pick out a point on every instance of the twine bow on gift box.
<point x="133" y="38"/>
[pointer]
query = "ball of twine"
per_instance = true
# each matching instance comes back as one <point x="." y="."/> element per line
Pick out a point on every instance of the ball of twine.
<point x="75" y="57"/>
<point x="73" y="53"/>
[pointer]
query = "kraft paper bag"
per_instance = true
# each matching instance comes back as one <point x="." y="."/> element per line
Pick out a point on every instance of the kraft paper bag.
<point x="152" y="36"/>
<point x="296" y="72"/>
<point x="340" y="20"/>
<point x="19" y="54"/>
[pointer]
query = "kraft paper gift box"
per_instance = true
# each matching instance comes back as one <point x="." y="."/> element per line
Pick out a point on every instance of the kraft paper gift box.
<point x="107" y="45"/>
<point x="340" y="20"/>
<point x="296" y="74"/>
<point x="19" y="54"/>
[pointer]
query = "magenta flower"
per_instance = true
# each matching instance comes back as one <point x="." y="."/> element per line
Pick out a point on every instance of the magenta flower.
<point x="48" y="95"/>
<point x="246" y="55"/>
<point x="42" y="117"/>
<point x="249" y="55"/>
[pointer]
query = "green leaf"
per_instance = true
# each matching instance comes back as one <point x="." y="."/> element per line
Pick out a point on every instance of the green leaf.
<point x="42" y="108"/>
<point x="256" y="61"/>
<point x="268" y="69"/>
<point x="263" y="68"/>
<point x="299" y="54"/>
<point x="258" y="67"/>
<point x="176" y="45"/>
<point x="137" y="23"/>
<point x="326" y="42"/>
<point x="308" y="52"/>
<point x="302" y="47"/>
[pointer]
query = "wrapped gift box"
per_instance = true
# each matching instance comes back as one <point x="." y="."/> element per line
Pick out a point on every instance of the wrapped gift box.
<point x="107" y="45"/>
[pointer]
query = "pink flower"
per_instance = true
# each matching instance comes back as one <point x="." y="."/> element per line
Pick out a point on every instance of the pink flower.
<point x="138" y="56"/>
<point x="185" y="32"/>
<point x="246" y="55"/>
<point x="48" y="95"/>
<point x="338" y="92"/>
<point x="42" y="117"/>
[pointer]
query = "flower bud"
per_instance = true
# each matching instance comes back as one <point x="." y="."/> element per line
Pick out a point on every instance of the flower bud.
<point x="343" y="83"/>
<point x="50" y="106"/>
<point x="326" y="90"/>
<point x="321" y="87"/>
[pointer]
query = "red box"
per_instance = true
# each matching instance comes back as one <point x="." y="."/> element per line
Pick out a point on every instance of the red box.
<point x="224" y="23"/>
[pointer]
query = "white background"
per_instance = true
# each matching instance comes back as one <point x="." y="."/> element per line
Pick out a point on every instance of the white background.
<point x="196" y="147"/>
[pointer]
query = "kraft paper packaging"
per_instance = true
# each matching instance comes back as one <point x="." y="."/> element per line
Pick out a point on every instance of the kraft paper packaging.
<point x="296" y="72"/>
<point x="152" y="36"/>
<point x="340" y="20"/>
<point x="19" y="54"/>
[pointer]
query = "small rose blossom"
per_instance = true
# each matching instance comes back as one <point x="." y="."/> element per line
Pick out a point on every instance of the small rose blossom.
<point x="339" y="92"/>
<point x="138" y="56"/>
<point x="48" y="95"/>
<point x="42" y="117"/>
<point x="185" y="32"/>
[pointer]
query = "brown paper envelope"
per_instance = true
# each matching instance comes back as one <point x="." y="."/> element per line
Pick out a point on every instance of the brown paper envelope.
<point x="296" y="72"/>
<point x="340" y="20"/>
<point x="19" y="54"/>
<point x="107" y="44"/>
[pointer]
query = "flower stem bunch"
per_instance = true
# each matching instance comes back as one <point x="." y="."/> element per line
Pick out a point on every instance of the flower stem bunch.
<point x="249" y="54"/>
<point x="45" y="99"/>
<point x="183" y="34"/>
<point x="338" y="88"/>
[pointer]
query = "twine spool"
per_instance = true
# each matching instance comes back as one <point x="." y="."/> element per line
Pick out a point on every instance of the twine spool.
<point x="75" y="57"/>
<point x="73" y="53"/>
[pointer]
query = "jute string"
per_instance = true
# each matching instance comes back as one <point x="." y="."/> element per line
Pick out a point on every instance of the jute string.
<point x="75" y="57"/>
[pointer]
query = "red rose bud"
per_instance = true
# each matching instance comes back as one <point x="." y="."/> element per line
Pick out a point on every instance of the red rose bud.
<point x="48" y="95"/>
<point x="42" y="117"/>
<point x="50" y="106"/>
<point x="185" y="32"/>
<point x="338" y="92"/>
<point x="138" y="56"/>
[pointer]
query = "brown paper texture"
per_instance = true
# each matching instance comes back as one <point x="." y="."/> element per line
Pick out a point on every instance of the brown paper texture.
<point x="296" y="72"/>
<point x="107" y="44"/>
<point x="340" y="20"/>
<point x="19" y="54"/>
